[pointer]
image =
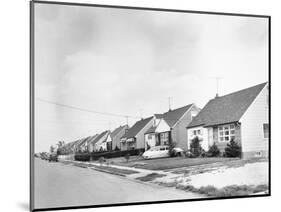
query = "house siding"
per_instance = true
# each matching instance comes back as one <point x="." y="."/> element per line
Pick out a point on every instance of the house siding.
<point x="140" y="142"/>
<point x="116" y="140"/>
<point x="252" y="137"/>
<point x="152" y="141"/>
<point x="179" y="133"/>
<point x="203" y="137"/>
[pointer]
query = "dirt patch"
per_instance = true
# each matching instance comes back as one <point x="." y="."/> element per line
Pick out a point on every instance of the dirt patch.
<point x="150" y="177"/>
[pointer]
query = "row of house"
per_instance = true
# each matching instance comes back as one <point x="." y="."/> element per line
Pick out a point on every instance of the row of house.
<point x="242" y="115"/>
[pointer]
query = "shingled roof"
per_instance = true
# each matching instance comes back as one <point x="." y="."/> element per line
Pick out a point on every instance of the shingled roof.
<point x="83" y="140"/>
<point x="117" y="131"/>
<point x="100" y="136"/>
<point x="226" y="109"/>
<point x="93" y="139"/>
<point x="172" y="116"/>
<point x="137" y="127"/>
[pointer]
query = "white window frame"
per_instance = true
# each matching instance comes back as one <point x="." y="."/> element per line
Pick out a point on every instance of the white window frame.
<point x="196" y="132"/>
<point x="164" y="138"/>
<point x="226" y="131"/>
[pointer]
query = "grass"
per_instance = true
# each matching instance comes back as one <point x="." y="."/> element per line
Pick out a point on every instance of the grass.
<point x="150" y="177"/>
<point x="172" y="163"/>
<point x="116" y="170"/>
<point x="228" y="191"/>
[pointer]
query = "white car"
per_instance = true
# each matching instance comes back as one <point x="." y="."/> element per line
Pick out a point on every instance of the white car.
<point x="157" y="152"/>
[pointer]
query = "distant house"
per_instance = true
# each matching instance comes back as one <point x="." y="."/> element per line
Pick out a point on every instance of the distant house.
<point x="170" y="127"/>
<point x="91" y="143"/>
<point x="242" y="115"/>
<point x="81" y="145"/>
<point x="100" y="141"/>
<point x="113" y="140"/>
<point x="134" y="137"/>
<point x="75" y="146"/>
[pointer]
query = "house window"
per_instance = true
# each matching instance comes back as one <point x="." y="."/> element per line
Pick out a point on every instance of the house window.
<point x="164" y="138"/>
<point x="265" y="131"/>
<point x="226" y="133"/>
<point x="149" y="136"/>
<point x="193" y="114"/>
<point x="196" y="132"/>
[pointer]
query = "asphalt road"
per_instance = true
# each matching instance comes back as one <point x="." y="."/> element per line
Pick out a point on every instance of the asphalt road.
<point x="59" y="185"/>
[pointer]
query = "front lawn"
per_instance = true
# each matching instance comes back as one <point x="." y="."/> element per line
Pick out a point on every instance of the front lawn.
<point x="172" y="163"/>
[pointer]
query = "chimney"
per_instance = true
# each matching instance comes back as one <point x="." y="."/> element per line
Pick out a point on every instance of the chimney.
<point x="217" y="95"/>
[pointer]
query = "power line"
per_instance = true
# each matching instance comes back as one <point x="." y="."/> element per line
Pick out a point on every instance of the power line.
<point x="86" y="110"/>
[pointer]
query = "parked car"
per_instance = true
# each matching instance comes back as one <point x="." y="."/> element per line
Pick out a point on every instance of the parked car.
<point x="53" y="157"/>
<point x="162" y="152"/>
<point x="157" y="152"/>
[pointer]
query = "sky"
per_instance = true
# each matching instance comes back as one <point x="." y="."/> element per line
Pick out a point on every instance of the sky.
<point x="129" y="62"/>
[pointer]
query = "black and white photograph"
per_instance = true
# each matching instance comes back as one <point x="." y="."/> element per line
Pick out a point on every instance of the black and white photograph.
<point x="140" y="105"/>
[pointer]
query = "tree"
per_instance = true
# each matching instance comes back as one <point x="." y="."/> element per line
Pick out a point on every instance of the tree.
<point x="52" y="149"/>
<point x="195" y="147"/>
<point x="116" y="148"/>
<point x="213" y="151"/>
<point x="60" y="146"/>
<point x="233" y="149"/>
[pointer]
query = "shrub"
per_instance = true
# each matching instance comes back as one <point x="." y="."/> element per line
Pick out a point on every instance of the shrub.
<point x="233" y="149"/>
<point x="116" y="148"/>
<point x="172" y="145"/>
<point x="213" y="151"/>
<point x="82" y="157"/>
<point x="127" y="157"/>
<point x="115" y="154"/>
<point x="195" y="147"/>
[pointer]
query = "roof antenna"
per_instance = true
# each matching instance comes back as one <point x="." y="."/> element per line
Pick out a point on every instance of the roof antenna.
<point x="140" y="110"/>
<point x="217" y="81"/>
<point x="169" y="100"/>
<point x="127" y="120"/>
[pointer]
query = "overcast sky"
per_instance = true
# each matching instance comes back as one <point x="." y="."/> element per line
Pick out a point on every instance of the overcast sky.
<point x="129" y="62"/>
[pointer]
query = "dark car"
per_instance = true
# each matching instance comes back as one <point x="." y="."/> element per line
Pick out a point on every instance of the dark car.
<point x="53" y="157"/>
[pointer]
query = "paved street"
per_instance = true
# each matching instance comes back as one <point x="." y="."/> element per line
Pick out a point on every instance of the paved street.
<point x="59" y="185"/>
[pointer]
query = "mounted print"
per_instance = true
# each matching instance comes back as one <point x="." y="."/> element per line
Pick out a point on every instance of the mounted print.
<point x="143" y="105"/>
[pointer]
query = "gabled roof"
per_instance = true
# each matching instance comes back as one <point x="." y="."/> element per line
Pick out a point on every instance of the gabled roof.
<point x="80" y="141"/>
<point x="100" y="136"/>
<point x="172" y="116"/>
<point x="158" y="116"/>
<point x="93" y="139"/>
<point x="151" y="130"/>
<point x="83" y="140"/>
<point x="117" y="131"/>
<point x="228" y="108"/>
<point x="137" y="127"/>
